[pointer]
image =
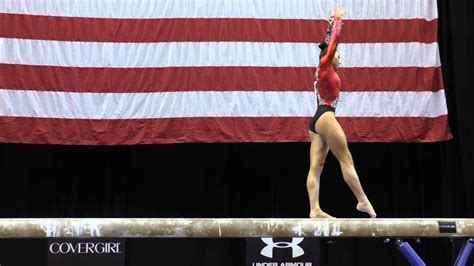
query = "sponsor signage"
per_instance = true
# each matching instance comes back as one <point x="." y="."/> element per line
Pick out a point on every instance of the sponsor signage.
<point x="86" y="251"/>
<point x="447" y="227"/>
<point x="292" y="251"/>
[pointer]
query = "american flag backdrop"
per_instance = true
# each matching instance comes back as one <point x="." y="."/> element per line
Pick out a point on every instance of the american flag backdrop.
<point x="171" y="71"/>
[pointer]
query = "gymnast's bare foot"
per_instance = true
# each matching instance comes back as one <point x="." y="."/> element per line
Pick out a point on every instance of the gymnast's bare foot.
<point x="320" y="214"/>
<point x="365" y="206"/>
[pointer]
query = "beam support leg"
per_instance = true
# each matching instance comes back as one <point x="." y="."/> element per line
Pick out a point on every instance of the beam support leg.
<point x="465" y="252"/>
<point x="409" y="253"/>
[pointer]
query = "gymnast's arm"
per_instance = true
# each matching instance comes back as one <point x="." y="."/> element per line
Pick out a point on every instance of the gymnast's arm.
<point x="326" y="60"/>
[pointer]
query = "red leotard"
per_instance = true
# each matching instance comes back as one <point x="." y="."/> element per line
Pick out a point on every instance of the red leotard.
<point x="328" y="82"/>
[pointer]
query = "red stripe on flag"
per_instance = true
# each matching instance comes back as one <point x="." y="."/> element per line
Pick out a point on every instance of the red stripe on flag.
<point x="392" y="79"/>
<point x="47" y="78"/>
<point x="212" y="29"/>
<point x="396" y="129"/>
<point x="179" y="130"/>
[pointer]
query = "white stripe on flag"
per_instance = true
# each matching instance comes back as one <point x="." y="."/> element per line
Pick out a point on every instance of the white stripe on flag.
<point x="182" y="54"/>
<point x="214" y="104"/>
<point x="289" y="9"/>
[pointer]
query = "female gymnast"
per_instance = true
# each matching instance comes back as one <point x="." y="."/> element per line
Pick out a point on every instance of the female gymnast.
<point x="324" y="130"/>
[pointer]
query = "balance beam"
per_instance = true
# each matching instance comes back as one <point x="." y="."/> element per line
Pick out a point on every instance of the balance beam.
<point x="233" y="228"/>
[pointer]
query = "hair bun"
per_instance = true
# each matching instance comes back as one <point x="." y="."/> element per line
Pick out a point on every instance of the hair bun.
<point x="323" y="45"/>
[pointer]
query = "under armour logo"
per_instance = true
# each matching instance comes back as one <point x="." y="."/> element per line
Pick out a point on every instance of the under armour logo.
<point x="296" y="250"/>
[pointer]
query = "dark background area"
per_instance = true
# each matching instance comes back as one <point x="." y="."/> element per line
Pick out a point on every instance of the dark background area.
<point x="239" y="180"/>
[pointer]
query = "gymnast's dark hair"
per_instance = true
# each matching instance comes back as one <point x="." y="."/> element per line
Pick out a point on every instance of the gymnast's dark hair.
<point x="324" y="49"/>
